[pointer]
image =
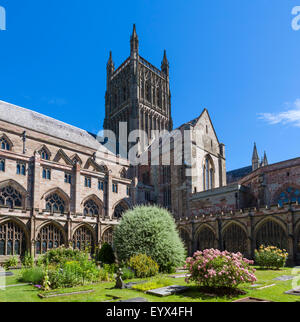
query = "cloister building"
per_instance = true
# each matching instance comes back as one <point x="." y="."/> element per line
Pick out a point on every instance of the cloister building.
<point x="60" y="186"/>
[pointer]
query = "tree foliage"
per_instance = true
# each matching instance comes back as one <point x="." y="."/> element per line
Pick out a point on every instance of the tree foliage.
<point x="151" y="231"/>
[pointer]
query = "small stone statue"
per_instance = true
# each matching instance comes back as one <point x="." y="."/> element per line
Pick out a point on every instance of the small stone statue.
<point x="119" y="282"/>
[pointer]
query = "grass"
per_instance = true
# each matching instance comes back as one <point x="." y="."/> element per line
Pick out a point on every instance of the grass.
<point x="106" y="292"/>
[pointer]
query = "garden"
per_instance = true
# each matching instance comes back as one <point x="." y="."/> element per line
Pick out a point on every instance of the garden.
<point x="148" y="261"/>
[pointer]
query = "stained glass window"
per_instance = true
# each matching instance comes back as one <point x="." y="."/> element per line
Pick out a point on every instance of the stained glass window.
<point x="2" y="165"/>
<point x="119" y="211"/>
<point x="4" y="144"/>
<point x="289" y="195"/>
<point x="91" y="208"/>
<point x="12" y="239"/>
<point x="10" y="197"/>
<point x="49" y="237"/>
<point x="55" y="204"/>
<point x="83" y="238"/>
<point x="108" y="236"/>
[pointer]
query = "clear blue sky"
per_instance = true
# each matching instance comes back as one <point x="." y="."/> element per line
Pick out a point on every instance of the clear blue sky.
<point x="237" y="58"/>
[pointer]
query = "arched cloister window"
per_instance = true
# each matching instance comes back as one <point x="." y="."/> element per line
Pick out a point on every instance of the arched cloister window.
<point x="184" y="235"/>
<point x="91" y="208"/>
<point x="10" y="197"/>
<point x="108" y="236"/>
<point x="119" y="210"/>
<point x="4" y="144"/>
<point x="208" y="174"/>
<point x="48" y="238"/>
<point x="271" y="234"/>
<point x="205" y="239"/>
<point x="148" y="91"/>
<point x="142" y="89"/>
<point x="12" y="239"/>
<point x="159" y="98"/>
<point x="55" y="204"/>
<point x="83" y="238"/>
<point x="289" y="195"/>
<point x="235" y="239"/>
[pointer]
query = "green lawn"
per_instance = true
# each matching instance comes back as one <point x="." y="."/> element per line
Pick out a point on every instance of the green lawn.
<point x="105" y="291"/>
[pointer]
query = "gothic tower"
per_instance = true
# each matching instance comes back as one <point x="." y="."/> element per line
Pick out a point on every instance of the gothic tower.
<point x="138" y="93"/>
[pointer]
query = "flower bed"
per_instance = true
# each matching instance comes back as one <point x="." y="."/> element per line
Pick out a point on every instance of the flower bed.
<point x="215" y="269"/>
<point x="271" y="257"/>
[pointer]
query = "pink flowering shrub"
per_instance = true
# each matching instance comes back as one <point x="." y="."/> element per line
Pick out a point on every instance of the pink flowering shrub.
<point x="213" y="268"/>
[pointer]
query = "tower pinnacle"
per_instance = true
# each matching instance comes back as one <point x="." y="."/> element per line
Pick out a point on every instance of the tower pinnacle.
<point x="255" y="159"/>
<point x="134" y="42"/>
<point x="165" y="64"/>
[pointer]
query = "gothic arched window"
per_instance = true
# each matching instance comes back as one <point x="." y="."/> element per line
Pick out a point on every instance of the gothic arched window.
<point x="142" y="89"/>
<point x="48" y="238"/>
<point x="2" y="165"/>
<point x="55" y="204"/>
<point x="271" y="234"/>
<point x="289" y="195"/>
<point x="148" y="91"/>
<point x="206" y="239"/>
<point x="83" y="238"/>
<point x="12" y="239"/>
<point x="5" y="145"/>
<point x="45" y="155"/>
<point x="91" y="208"/>
<point x="159" y="98"/>
<point x="10" y="197"/>
<point x="208" y="174"/>
<point x="108" y="236"/>
<point x="119" y="211"/>
<point x="235" y="239"/>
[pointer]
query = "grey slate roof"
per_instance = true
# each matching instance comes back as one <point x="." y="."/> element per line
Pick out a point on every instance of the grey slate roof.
<point x="236" y="175"/>
<point x="38" y="122"/>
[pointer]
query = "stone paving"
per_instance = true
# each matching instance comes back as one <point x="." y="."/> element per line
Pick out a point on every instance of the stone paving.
<point x="135" y="300"/>
<point x="168" y="290"/>
<point x="285" y="278"/>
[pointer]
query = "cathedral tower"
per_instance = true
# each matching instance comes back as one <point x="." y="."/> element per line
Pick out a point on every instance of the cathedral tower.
<point x="138" y="93"/>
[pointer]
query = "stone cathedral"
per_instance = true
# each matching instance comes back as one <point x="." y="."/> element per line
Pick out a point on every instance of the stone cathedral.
<point x="60" y="186"/>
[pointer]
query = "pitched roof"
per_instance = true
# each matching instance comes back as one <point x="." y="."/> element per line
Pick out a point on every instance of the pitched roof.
<point x="236" y="175"/>
<point x="44" y="124"/>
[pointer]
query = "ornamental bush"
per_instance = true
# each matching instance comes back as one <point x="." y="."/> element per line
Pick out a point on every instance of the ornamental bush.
<point x="61" y="255"/>
<point x="32" y="275"/>
<point x="271" y="257"/>
<point x="151" y="231"/>
<point x="106" y="254"/>
<point x="216" y="269"/>
<point x="143" y="266"/>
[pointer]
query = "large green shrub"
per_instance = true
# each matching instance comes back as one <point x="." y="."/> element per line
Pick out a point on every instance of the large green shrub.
<point x="271" y="257"/>
<point x="106" y="254"/>
<point x="151" y="231"/>
<point x="143" y="266"/>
